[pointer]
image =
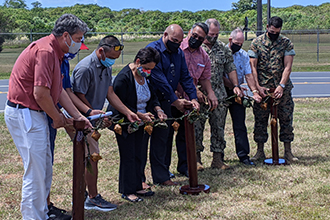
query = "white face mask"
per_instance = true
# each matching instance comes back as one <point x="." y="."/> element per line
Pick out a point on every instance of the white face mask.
<point x="74" y="47"/>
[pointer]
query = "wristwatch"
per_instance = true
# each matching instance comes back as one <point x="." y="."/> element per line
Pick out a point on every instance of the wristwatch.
<point x="237" y="86"/>
<point x="282" y="85"/>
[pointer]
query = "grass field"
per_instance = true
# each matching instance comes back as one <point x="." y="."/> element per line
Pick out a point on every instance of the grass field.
<point x="305" y="59"/>
<point x="298" y="191"/>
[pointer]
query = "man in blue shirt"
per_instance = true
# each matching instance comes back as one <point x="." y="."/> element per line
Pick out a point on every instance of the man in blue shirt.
<point x="165" y="77"/>
<point x="237" y="111"/>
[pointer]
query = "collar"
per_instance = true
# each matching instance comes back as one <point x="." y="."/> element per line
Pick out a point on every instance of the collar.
<point x="56" y="46"/>
<point x="96" y="60"/>
<point x="162" y="46"/>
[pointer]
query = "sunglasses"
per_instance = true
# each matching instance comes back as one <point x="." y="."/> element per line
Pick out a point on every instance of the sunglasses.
<point x="116" y="47"/>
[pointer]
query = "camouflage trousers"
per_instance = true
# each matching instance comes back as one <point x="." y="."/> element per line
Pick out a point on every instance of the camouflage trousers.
<point x="217" y="120"/>
<point x="284" y="115"/>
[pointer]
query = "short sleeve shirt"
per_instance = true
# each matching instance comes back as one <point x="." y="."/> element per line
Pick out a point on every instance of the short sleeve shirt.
<point x="92" y="79"/>
<point x="270" y="55"/>
<point x="242" y="63"/>
<point x="222" y="63"/>
<point x="38" y="65"/>
<point x="198" y="62"/>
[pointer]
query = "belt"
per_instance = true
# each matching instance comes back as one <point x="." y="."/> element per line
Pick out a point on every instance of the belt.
<point x="14" y="105"/>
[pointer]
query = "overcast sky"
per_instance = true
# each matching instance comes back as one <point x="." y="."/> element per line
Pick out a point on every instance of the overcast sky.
<point x="167" y="5"/>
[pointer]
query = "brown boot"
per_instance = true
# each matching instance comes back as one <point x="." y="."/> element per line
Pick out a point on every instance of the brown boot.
<point x="288" y="156"/>
<point x="260" y="153"/>
<point x="217" y="162"/>
<point x="199" y="162"/>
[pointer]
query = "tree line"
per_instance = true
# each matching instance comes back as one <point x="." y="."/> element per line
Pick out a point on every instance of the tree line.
<point x="16" y="17"/>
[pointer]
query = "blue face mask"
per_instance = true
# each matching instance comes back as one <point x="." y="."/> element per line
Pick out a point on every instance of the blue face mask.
<point x="107" y="62"/>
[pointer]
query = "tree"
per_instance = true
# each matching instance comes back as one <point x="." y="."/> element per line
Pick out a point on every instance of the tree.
<point x="36" y="4"/>
<point x="15" y="4"/>
<point x="244" y="5"/>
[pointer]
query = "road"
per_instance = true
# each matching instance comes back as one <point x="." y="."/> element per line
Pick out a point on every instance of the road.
<point x="306" y="84"/>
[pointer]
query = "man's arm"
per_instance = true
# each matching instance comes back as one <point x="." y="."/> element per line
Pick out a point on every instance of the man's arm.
<point x="252" y="85"/>
<point x="117" y="104"/>
<point x="43" y="98"/>
<point x="233" y="78"/>
<point x="206" y="85"/>
<point x="288" y="60"/>
<point x="81" y="106"/>
<point x="253" y="63"/>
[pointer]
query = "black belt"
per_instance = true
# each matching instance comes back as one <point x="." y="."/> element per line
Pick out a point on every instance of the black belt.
<point x="11" y="104"/>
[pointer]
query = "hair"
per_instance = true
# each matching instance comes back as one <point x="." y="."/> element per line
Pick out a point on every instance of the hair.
<point x="275" y="21"/>
<point x="213" y="21"/>
<point x="201" y="25"/>
<point x="69" y="23"/>
<point x="234" y="33"/>
<point x="148" y="55"/>
<point x="108" y="40"/>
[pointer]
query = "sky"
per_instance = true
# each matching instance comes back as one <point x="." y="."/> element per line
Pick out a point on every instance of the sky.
<point x="167" y="5"/>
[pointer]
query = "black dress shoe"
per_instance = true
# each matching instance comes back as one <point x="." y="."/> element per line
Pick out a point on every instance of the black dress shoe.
<point x="171" y="175"/>
<point x="248" y="162"/>
<point x="185" y="173"/>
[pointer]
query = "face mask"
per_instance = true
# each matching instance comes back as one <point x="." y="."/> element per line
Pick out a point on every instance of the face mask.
<point x="69" y="56"/>
<point x="194" y="43"/>
<point x="210" y="39"/>
<point x="107" y="62"/>
<point x="173" y="47"/>
<point x="142" y="72"/>
<point x="235" y="47"/>
<point x="74" y="47"/>
<point x="273" y="37"/>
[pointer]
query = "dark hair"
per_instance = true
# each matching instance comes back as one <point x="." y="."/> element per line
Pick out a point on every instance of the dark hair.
<point x="275" y="21"/>
<point x="148" y="55"/>
<point x="201" y="25"/>
<point x="108" y="40"/>
<point x="69" y="23"/>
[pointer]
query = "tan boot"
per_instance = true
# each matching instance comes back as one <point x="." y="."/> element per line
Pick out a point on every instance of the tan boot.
<point x="288" y="156"/>
<point x="260" y="153"/>
<point x="199" y="162"/>
<point x="217" y="162"/>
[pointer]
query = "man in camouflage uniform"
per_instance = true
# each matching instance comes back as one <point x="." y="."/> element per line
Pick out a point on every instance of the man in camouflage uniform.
<point x="271" y="57"/>
<point x="221" y="63"/>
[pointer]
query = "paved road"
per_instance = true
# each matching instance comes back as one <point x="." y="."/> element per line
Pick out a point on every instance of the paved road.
<point x="306" y="84"/>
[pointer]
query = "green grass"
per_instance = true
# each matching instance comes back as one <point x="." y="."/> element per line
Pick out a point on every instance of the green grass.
<point x="298" y="191"/>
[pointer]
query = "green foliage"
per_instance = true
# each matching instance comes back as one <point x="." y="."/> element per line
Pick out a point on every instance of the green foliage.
<point x="15" y="17"/>
<point x="244" y="5"/>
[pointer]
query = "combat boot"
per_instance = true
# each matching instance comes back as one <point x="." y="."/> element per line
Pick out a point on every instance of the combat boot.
<point x="288" y="156"/>
<point x="199" y="162"/>
<point x="217" y="162"/>
<point x="260" y="153"/>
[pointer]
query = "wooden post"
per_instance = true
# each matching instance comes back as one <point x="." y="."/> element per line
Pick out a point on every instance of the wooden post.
<point x="78" y="186"/>
<point x="193" y="188"/>
<point x="274" y="134"/>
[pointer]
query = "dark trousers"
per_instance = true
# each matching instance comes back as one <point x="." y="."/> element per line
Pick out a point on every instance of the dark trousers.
<point x="158" y="148"/>
<point x="131" y="150"/>
<point x="237" y="113"/>
<point x="180" y="142"/>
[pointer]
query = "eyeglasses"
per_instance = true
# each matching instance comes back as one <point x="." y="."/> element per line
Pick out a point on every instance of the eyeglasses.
<point x="196" y="36"/>
<point x="116" y="47"/>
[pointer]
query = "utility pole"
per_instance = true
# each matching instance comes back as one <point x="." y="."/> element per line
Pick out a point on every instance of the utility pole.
<point x="259" y="17"/>
<point x="268" y="11"/>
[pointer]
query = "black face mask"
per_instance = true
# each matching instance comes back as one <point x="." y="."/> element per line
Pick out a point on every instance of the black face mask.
<point x="273" y="37"/>
<point x="173" y="47"/>
<point x="194" y="43"/>
<point x="235" y="47"/>
<point x="212" y="40"/>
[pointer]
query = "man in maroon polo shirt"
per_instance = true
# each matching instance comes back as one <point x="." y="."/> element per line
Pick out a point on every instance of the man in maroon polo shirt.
<point x="35" y="87"/>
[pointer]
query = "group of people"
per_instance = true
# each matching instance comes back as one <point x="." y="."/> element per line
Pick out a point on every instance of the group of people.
<point x="166" y="76"/>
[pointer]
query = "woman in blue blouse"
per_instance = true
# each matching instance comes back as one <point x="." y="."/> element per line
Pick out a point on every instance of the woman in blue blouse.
<point x="132" y="87"/>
